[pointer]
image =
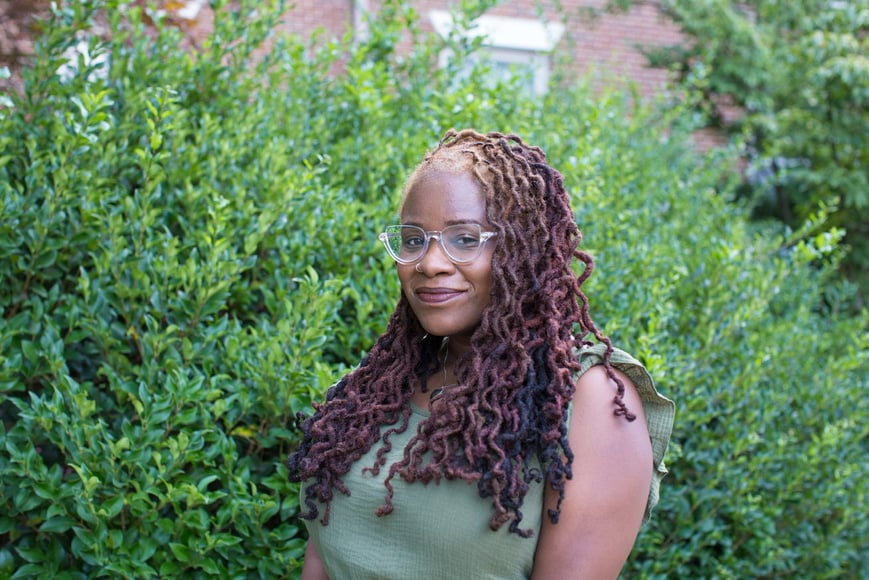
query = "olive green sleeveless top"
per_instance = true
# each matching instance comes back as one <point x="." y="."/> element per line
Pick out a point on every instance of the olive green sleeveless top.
<point x="442" y="530"/>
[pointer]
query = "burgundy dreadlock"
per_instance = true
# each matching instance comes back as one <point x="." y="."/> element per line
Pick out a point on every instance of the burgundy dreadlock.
<point x="507" y="426"/>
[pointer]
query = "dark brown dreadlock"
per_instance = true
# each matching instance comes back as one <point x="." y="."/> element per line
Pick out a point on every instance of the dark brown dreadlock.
<point x="508" y="427"/>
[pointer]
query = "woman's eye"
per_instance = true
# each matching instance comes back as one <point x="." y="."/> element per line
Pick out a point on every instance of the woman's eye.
<point x="414" y="242"/>
<point x="465" y="240"/>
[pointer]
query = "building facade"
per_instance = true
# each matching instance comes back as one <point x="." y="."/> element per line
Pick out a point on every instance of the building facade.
<point x="530" y="33"/>
<point x="580" y="34"/>
<point x="580" y="37"/>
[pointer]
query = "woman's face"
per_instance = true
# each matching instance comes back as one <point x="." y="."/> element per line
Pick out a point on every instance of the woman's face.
<point x="448" y="299"/>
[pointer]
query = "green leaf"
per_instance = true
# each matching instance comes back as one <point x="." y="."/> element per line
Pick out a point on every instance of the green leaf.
<point x="30" y="571"/>
<point x="57" y="524"/>
<point x="181" y="552"/>
<point x="32" y="555"/>
<point x="30" y="350"/>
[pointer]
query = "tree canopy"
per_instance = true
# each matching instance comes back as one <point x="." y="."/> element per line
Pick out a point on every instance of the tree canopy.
<point x="797" y="73"/>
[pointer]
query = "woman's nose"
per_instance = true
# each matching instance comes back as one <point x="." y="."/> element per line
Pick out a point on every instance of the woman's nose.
<point x="435" y="259"/>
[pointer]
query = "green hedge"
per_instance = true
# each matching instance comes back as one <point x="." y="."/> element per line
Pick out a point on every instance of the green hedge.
<point x="188" y="257"/>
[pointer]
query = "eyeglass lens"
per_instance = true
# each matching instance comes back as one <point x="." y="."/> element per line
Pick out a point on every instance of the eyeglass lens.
<point x="461" y="242"/>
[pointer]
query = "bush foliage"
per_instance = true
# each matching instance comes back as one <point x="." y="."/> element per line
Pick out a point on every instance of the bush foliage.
<point x="798" y="72"/>
<point x="188" y="258"/>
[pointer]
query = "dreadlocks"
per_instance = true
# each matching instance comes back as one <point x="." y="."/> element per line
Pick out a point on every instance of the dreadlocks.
<point x="507" y="428"/>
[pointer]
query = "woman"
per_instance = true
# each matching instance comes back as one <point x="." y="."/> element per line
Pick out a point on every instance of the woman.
<point x="483" y="436"/>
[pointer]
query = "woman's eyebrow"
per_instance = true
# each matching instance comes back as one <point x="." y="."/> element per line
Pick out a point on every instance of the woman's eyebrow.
<point x="448" y="223"/>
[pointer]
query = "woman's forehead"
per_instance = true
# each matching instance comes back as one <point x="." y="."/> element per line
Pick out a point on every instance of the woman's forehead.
<point x="445" y="197"/>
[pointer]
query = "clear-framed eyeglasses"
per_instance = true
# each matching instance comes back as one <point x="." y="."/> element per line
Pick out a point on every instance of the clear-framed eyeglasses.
<point x="462" y="243"/>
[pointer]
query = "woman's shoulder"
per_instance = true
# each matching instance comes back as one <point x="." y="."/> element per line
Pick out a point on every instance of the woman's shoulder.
<point x="594" y="355"/>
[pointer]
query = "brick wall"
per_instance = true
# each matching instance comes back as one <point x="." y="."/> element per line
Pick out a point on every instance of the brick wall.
<point x="597" y="44"/>
<point x="17" y="21"/>
<point x="333" y="16"/>
<point x="608" y="46"/>
<point x="605" y="46"/>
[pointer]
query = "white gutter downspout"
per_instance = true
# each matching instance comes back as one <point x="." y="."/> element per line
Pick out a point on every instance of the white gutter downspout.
<point x="360" y="20"/>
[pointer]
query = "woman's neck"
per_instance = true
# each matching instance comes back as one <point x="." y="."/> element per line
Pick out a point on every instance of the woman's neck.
<point x="457" y="346"/>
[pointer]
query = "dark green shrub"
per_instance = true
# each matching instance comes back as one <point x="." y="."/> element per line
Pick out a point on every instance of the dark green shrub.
<point x="156" y="319"/>
<point x="188" y="257"/>
<point x="768" y="462"/>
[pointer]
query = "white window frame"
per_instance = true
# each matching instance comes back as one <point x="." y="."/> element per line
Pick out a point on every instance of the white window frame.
<point x="523" y="43"/>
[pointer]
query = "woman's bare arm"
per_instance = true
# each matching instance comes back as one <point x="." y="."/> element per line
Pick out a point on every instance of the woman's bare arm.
<point x="605" y="500"/>
<point x="313" y="568"/>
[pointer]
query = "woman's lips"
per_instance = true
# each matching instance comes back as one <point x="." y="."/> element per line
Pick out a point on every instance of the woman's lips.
<point x="436" y="295"/>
